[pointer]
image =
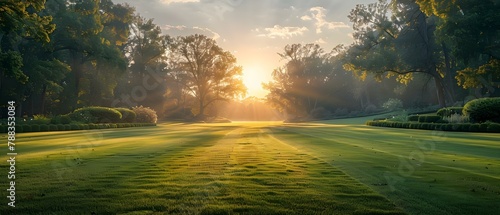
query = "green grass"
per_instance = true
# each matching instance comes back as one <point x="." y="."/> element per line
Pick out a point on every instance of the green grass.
<point x="256" y="168"/>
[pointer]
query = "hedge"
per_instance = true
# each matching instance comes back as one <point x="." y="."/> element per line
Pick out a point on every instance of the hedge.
<point x="430" y="118"/>
<point x="413" y="118"/>
<point x="96" y="115"/>
<point x="463" y="127"/>
<point x="68" y="127"/>
<point x="446" y="112"/>
<point x="127" y="115"/>
<point x="482" y="110"/>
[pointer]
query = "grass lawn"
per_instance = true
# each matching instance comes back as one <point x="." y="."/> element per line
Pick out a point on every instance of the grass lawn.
<point x="331" y="167"/>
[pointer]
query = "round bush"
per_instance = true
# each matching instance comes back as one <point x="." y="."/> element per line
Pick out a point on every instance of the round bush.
<point x="53" y="128"/>
<point x="61" y="127"/>
<point x="494" y="127"/>
<point x="74" y="127"/>
<point x="145" y="115"/>
<point x="44" y="127"/>
<point x="413" y="118"/>
<point x="482" y="110"/>
<point x="96" y="115"/>
<point x="127" y="115"/>
<point x="446" y="112"/>
<point x="27" y="128"/>
<point x="67" y="127"/>
<point x="35" y="128"/>
<point x="431" y="118"/>
<point x="19" y="129"/>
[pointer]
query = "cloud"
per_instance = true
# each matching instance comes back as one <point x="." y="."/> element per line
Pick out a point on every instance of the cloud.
<point x="318" y="16"/>
<point x="320" y="41"/>
<point x="177" y="1"/>
<point x="215" y="35"/>
<point x="282" y="32"/>
<point x="178" y="27"/>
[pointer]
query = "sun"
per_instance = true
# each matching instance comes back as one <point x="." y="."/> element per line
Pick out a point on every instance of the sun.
<point x="253" y="77"/>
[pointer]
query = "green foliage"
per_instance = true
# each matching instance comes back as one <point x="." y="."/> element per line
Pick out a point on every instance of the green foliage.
<point x="413" y="118"/>
<point x="44" y="127"/>
<point x="494" y="127"/>
<point x="61" y="127"/>
<point x="483" y="109"/>
<point x="96" y="115"/>
<point x="446" y="112"/>
<point x="456" y="118"/>
<point x="35" y="128"/>
<point x="53" y="127"/>
<point x="61" y="119"/>
<point x="145" y="114"/>
<point x="27" y="128"/>
<point x="393" y="104"/>
<point x="127" y="115"/>
<point x="429" y="118"/>
<point x="39" y="119"/>
<point x="67" y="127"/>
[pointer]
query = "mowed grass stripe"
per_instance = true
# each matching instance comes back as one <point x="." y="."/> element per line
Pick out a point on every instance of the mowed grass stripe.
<point x="448" y="181"/>
<point x="212" y="169"/>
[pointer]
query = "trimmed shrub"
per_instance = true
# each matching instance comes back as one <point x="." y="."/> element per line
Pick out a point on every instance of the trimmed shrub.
<point x="494" y="127"/>
<point x="67" y="127"/>
<point x="446" y="112"/>
<point x="61" y="119"/>
<point x="35" y="128"/>
<point x="114" y="126"/>
<point x="74" y="127"/>
<point x="482" y="110"/>
<point x="60" y="127"/>
<point x="413" y="118"/>
<point x="44" y="127"/>
<point x="370" y="109"/>
<point x="145" y="115"/>
<point x="19" y="129"/>
<point x="393" y="104"/>
<point x="85" y="127"/>
<point x="127" y="114"/>
<point x="430" y="118"/>
<point x="39" y="119"/>
<point x="96" y="115"/>
<point x="27" y="128"/>
<point x="53" y="128"/>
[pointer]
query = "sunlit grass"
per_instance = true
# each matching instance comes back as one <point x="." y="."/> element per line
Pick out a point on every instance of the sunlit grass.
<point x="257" y="168"/>
<point x="182" y="168"/>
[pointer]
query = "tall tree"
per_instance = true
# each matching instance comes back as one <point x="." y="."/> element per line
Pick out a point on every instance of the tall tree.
<point x="471" y="29"/>
<point x="300" y="86"/>
<point x="395" y="39"/>
<point x="210" y="73"/>
<point x="19" y="22"/>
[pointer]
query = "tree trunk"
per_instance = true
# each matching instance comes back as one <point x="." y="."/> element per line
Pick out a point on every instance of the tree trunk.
<point x="440" y="90"/>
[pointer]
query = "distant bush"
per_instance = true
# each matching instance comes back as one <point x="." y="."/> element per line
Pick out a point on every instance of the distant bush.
<point x="35" y="128"/>
<point x="127" y="115"/>
<point x="463" y="127"/>
<point x="60" y="127"/>
<point x="494" y="127"/>
<point x="52" y="127"/>
<point x="61" y="119"/>
<point x="44" y="127"/>
<point x="67" y="127"/>
<point x="456" y="118"/>
<point x="445" y="112"/>
<point x="39" y="119"/>
<point x="96" y="115"/>
<point x="340" y="112"/>
<point x="370" y="109"/>
<point x="27" y="128"/>
<point x="413" y="118"/>
<point x="393" y="104"/>
<point x="320" y="113"/>
<point x="430" y="118"/>
<point x="145" y="114"/>
<point x="484" y="109"/>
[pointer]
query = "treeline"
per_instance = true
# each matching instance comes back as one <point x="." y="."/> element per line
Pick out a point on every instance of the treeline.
<point x="423" y="53"/>
<point x="60" y="55"/>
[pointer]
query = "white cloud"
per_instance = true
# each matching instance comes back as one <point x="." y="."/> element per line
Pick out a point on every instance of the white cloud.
<point x="177" y="1"/>
<point x="283" y="32"/>
<point x="215" y="35"/>
<point x="318" y="15"/>
<point x="320" y="41"/>
<point x="178" y="27"/>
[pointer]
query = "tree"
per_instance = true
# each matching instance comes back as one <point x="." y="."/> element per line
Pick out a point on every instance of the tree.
<point x="19" y="22"/>
<point x="300" y="86"/>
<point x="209" y="73"/>
<point x="395" y="39"/>
<point x="470" y="28"/>
<point x="146" y="52"/>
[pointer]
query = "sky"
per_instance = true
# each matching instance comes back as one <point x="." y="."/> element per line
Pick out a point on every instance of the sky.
<point x="254" y="30"/>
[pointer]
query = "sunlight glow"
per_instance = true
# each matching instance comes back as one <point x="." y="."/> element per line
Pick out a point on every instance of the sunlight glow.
<point x="253" y="78"/>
